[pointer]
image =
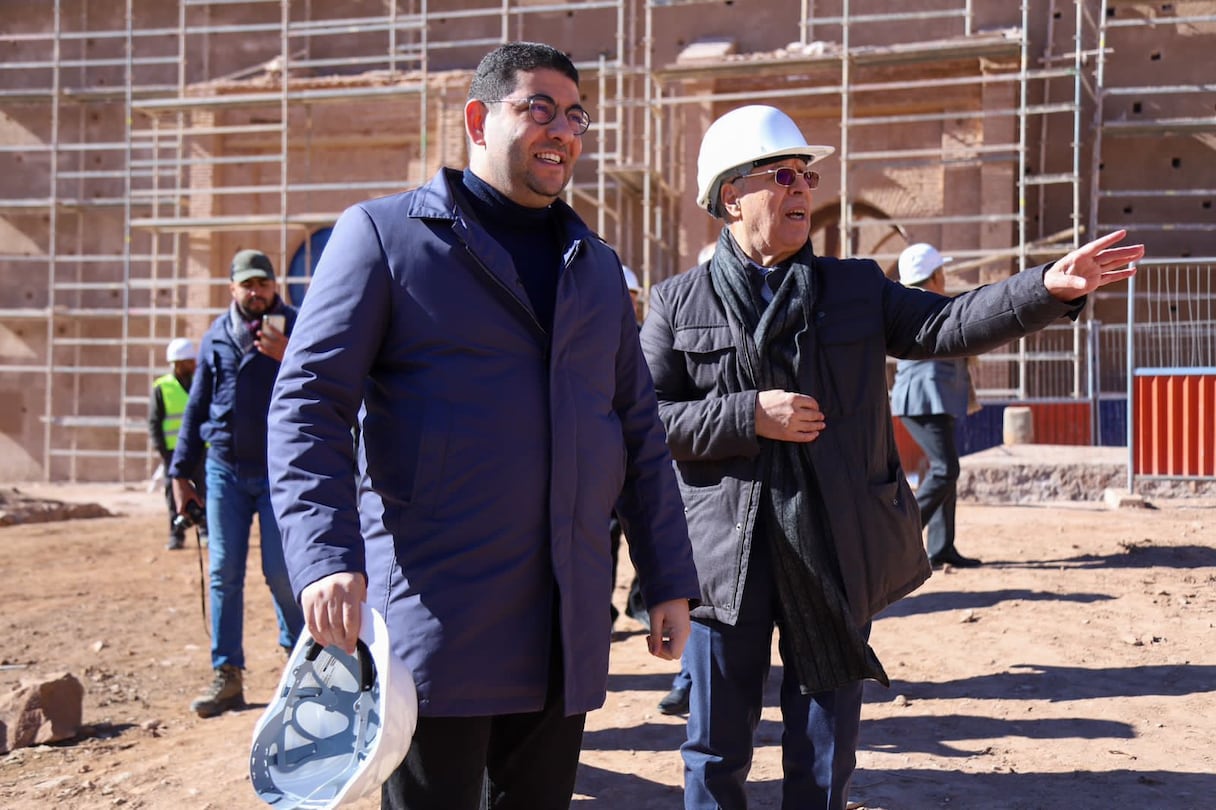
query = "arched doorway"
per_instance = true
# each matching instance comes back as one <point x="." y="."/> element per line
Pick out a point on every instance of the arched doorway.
<point x="872" y="232"/>
<point x="303" y="263"/>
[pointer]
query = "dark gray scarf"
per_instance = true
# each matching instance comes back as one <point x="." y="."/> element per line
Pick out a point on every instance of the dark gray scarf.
<point x="244" y="332"/>
<point x="829" y="649"/>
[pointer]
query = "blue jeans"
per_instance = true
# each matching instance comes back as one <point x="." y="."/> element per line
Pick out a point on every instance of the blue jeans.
<point x="232" y="502"/>
<point x="729" y="666"/>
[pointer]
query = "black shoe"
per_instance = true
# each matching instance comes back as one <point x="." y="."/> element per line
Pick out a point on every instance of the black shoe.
<point x="954" y="560"/>
<point x="675" y="702"/>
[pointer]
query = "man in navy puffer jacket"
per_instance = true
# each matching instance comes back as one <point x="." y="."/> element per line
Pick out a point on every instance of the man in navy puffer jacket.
<point x="225" y="419"/>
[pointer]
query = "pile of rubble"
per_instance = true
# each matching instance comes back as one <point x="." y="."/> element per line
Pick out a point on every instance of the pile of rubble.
<point x="17" y="507"/>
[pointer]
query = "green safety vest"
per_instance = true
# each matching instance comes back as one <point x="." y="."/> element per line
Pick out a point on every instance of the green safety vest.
<point x="175" y="398"/>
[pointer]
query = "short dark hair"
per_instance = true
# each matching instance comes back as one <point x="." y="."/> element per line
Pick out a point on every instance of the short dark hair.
<point x="497" y="74"/>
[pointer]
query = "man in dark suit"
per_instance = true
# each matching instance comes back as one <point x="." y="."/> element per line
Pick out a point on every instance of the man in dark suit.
<point x="928" y="396"/>
<point x="481" y="336"/>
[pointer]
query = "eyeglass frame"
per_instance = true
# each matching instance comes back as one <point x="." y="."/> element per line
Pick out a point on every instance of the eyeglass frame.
<point x="584" y="121"/>
<point x="811" y="177"/>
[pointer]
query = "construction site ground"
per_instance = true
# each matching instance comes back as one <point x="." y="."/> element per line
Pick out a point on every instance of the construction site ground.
<point x="1075" y="669"/>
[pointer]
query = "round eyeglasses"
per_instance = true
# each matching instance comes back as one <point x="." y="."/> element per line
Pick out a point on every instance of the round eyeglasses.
<point x="543" y="109"/>
<point x="786" y="177"/>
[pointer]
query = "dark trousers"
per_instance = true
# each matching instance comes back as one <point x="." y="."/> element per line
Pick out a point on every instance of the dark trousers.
<point x="501" y="762"/>
<point x="937" y="495"/>
<point x="729" y="666"/>
<point x="635" y="605"/>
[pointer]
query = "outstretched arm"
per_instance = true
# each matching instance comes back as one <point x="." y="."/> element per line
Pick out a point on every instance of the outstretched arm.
<point x="1091" y="266"/>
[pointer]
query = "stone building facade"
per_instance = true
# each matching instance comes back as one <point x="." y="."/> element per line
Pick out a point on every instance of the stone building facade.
<point x="141" y="150"/>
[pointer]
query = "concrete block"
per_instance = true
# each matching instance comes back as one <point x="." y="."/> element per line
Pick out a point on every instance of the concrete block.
<point x="1017" y="426"/>
<point x="1122" y="499"/>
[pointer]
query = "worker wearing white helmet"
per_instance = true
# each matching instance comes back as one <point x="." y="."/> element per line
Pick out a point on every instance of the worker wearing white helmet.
<point x="929" y="396"/>
<point x="919" y="263"/>
<point x="170" y="393"/>
<point x="631" y="280"/>
<point x="635" y="292"/>
<point x="770" y="367"/>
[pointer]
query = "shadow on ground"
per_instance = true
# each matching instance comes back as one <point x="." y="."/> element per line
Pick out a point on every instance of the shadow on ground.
<point x="944" y="601"/>
<point x="1079" y="790"/>
<point x="1057" y="684"/>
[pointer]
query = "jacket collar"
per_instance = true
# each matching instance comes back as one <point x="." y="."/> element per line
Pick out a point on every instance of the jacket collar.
<point x="434" y="200"/>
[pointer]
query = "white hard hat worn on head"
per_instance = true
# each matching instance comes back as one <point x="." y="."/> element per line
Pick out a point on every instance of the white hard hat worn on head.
<point x="339" y="724"/>
<point x="744" y="137"/>
<point x="918" y="262"/>
<point x="180" y="349"/>
<point x="631" y="279"/>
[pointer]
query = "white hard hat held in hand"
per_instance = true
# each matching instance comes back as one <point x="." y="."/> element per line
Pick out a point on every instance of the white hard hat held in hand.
<point x="338" y="725"/>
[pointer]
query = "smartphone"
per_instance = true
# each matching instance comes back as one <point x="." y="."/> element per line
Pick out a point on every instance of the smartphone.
<point x="279" y="322"/>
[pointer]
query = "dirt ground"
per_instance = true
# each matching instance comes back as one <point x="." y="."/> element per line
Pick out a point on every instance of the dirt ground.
<point x="1077" y="669"/>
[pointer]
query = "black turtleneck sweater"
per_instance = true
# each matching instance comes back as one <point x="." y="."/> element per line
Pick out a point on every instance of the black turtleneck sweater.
<point x="531" y="235"/>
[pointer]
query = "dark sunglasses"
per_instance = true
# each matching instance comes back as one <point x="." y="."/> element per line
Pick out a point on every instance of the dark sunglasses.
<point x="543" y="109"/>
<point x="786" y="177"/>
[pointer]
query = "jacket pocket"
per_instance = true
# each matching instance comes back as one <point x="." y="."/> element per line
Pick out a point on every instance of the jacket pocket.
<point x="896" y="495"/>
<point x="709" y="354"/>
<point x="717" y="537"/>
<point x="703" y="339"/>
<point x="894" y="545"/>
<point x="407" y="469"/>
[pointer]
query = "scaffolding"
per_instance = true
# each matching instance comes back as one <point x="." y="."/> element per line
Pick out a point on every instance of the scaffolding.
<point x="220" y="123"/>
<point x="987" y="164"/>
<point x="148" y="141"/>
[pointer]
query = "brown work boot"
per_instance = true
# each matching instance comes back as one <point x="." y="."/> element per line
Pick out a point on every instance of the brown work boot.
<point x="224" y="694"/>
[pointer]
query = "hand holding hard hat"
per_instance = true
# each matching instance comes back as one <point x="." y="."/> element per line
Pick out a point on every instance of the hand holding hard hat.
<point x="338" y="725"/>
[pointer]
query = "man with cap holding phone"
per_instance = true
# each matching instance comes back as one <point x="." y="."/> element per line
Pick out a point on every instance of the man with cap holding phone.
<point x="225" y="420"/>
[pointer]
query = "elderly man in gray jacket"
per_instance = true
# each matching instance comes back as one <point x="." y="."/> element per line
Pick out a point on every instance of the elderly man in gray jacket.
<point x="769" y="363"/>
